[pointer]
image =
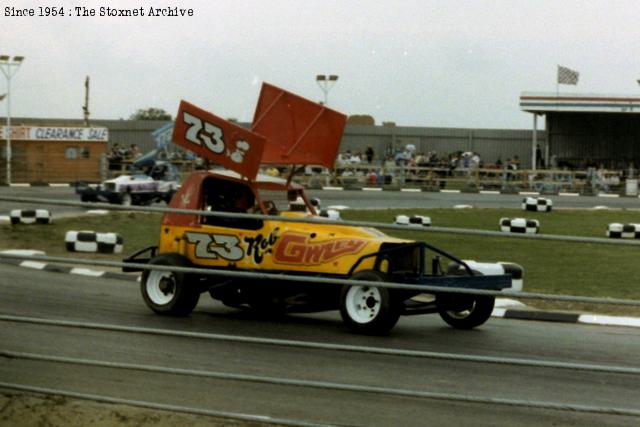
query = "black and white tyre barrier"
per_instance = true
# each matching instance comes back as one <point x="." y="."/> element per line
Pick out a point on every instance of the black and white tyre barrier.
<point x="413" y="220"/>
<point x="90" y="241"/>
<point x="493" y="269"/>
<point x="623" y="231"/>
<point x="519" y="225"/>
<point x="30" y="216"/>
<point x="331" y="214"/>
<point x="537" y="204"/>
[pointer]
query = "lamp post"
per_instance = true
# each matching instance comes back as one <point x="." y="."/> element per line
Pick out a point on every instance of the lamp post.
<point x="326" y="82"/>
<point x="9" y="66"/>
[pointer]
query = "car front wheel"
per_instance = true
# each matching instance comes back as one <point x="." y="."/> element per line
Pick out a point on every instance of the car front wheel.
<point x="368" y="309"/>
<point x="169" y="292"/>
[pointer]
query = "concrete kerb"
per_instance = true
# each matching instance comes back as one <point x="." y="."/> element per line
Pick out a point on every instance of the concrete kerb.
<point x="505" y="307"/>
<point x="37" y="184"/>
<point x="55" y="268"/>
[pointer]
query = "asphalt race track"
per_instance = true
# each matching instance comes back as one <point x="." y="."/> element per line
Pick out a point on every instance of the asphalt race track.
<point x="199" y="361"/>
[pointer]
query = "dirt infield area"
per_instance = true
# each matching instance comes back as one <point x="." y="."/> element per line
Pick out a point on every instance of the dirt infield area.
<point x="25" y="410"/>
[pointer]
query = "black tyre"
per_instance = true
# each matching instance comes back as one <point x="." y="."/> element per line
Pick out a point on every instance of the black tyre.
<point x="369" y="309"/>
<point x="465" y="311"/>
<point x="167" y="292"/>
<point x="169" y="196"/>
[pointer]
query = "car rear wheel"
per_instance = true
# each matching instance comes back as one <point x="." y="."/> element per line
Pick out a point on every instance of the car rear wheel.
<point x="169" y="292"/>
<point x="368" y="309"/>
<point x="465" y="311"/>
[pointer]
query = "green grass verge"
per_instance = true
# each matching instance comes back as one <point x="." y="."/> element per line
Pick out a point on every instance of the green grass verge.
<point x="550" y="267"/>
<point x="137" y="229"/>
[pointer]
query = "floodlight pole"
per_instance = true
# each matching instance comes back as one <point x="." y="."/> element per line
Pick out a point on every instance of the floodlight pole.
<point x="9" y="68"/>
<point x="326" y="82"/>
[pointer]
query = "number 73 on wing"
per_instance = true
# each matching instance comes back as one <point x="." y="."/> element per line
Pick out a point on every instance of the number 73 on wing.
<point x="217" y="139"/>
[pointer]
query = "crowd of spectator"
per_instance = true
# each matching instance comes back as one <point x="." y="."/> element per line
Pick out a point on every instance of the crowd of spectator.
<point x="408" y="165"/>
<point x="117" y="155"/>
<point x="430" y="168"/>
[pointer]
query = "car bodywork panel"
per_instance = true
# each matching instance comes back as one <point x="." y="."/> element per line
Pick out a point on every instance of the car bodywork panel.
<point x="251" y="244"/>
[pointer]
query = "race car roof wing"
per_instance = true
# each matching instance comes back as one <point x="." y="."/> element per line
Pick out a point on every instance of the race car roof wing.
<point x="218" y="140"/>
<point x="297" y="131"/>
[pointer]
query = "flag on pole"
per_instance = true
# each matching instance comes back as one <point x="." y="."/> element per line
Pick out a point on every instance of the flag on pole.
<point x="567" y="76"/>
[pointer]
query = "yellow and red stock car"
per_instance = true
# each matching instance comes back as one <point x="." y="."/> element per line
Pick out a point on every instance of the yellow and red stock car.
<point x="289" y="130"/>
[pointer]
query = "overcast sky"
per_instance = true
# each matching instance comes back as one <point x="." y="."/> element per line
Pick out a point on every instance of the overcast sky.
<point x="417" y="63"/>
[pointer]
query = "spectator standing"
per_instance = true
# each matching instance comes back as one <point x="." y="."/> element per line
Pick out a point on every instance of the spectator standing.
<point x="454" y="161"/>
<point x="355" y="159"/>
<point x="389" y="169"/>
<point x="134" y="152"/>
<point x="513" y="165"/>
<point x="475" y="161"/>
<point x="114" y="157"/>
<point x="631" y="171"/>
<point x="372" y="177"/>
<point x="539" y="159"/>
<point x="341" y="162"/>
<point x="369" y="154"/>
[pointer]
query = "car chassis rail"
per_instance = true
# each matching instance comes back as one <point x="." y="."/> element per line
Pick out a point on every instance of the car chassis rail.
<point x="469" y="281"/>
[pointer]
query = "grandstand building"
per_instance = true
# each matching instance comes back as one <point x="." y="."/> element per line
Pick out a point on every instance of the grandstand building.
<point x="586" y="129"/>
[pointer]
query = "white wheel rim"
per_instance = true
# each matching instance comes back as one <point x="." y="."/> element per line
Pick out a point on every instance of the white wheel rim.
<point x="161" y="287"/>
<point x="363" y="303"/>
<point x="462" y="314"/>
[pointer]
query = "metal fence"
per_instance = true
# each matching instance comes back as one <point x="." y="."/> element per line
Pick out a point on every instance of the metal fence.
<point x="547" y="181"/>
